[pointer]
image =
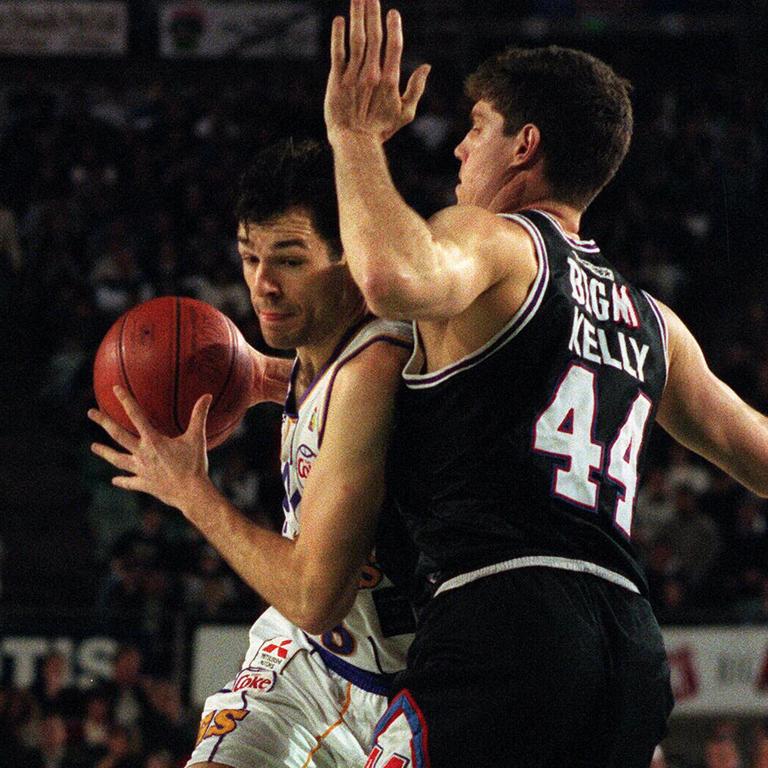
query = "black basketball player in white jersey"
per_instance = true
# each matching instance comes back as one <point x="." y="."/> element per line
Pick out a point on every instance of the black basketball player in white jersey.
<point x="525" y="411"/>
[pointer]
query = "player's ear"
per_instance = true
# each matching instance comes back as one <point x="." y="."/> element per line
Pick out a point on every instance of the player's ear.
<point x="525" y="148"/>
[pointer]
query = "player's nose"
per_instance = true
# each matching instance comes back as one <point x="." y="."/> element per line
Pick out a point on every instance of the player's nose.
<point x="265" y="282"/>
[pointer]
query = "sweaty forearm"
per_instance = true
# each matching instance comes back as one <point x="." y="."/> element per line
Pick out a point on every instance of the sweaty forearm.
<point x="269" y="563"/>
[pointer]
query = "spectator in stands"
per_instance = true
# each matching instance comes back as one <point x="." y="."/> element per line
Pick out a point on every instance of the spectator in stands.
<point x="53" y="750"/>
<point x="655" y="507"/>
<point x="53" y="690"/>
<point x="171" y="728"/>
<point x="721" y="751"/>
<point x="692" y="536"/>
<point x="20" y="723"/>
<point x="122" y="749"/>
<point x="160" y="759"/>
<point x="211" y="589"/>
<point x="760" y="746"/>
<point x="121" y="600"/>
<point x="126" y="691"/>
<point x="95" y="725"/>
<point x="148" y="545"/>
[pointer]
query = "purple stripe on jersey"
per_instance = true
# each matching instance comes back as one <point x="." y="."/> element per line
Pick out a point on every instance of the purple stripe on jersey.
<point x="661" y="321"/>
<point x="352" y="331"/>
<point x="394" y="340"/>
<point x="519" y="320"/>
<point x="361" y="678"/>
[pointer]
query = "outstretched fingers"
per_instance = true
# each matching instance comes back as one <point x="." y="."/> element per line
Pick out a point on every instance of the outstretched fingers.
<point x="374" y="37"/>
<point x="393" y="51"/>
<point x="356" y="36"/>
<point x="133" y="411"/>
<point x="338" y="48"/>
<point x="124" y="461"/>
<point x="119" y="434"/>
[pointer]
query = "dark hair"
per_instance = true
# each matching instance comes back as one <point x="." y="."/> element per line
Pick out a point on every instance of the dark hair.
<point x="580" y="105"/>
<point x="288" y="175"/>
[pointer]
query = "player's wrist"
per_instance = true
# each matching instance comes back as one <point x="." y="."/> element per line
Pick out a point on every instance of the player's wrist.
<point x="199" y="497"/>
<point x="270" y="378"/>
<point x="347" y="137"/>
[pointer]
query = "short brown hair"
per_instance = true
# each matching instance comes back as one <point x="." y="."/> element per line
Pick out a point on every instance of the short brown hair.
<point x="287" y="175"/>
<point x="580" y="105"/>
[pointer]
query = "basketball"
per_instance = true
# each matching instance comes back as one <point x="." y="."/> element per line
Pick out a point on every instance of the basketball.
<point x="167" y="353"/>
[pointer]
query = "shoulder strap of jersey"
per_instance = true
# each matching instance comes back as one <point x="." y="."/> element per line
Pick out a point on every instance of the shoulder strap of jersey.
<point x="371" y="332"/>
<point x="374" y="330"/>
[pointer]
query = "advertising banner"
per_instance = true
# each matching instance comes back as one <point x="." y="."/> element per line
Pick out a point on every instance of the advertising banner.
<point x="719" y="670"/>
<point x="265" y="30"/>
<point x="715" y="670"/>
<point x="38" y="28"/>
<point x="88" y="657"/>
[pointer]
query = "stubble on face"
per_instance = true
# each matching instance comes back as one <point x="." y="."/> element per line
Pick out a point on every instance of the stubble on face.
<point x="483" y="154"/>
<point x="296" y="289"/>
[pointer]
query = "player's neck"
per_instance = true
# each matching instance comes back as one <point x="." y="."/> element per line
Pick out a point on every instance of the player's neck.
<point x="566" y="215"/>
<point x="312" y="358"/>
<point x="526" y="191"/>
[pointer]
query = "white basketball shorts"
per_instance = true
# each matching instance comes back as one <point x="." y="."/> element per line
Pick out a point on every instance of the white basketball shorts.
<point x="287" y="709"/>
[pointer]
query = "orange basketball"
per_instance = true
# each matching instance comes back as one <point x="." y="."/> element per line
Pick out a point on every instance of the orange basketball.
<point x="167" y="353"/>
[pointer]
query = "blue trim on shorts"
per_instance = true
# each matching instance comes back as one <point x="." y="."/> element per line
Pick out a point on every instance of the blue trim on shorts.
<point x="369" y="681"/>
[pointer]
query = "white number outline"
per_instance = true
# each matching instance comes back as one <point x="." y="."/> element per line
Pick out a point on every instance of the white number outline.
<point x="636" y="427"/>
<point x="624" y="509"/>
<point x="567" y="467"/>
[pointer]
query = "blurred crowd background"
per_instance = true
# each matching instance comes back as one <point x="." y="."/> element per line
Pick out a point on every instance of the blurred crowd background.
<point x="117" y="183"/>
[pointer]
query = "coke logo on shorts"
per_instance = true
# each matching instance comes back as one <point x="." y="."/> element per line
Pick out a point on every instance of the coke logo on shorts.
<point x="256" y="679"/>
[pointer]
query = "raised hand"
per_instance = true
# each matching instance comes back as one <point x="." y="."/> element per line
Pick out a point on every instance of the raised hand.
<point x="363" y="93"/>
<point x="172" y="469"/>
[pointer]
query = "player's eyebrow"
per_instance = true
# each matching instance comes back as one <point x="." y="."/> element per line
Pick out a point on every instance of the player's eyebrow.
<point x="294" y="242"/>
<point x="477" y="114"/>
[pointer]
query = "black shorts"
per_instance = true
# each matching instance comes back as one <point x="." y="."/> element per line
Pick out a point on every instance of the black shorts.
<point x="532" y="667"/>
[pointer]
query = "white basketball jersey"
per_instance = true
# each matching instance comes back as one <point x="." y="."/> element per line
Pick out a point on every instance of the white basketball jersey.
<point x="361" y="640"/>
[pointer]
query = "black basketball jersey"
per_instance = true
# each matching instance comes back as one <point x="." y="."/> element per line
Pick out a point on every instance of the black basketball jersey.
<point x="529" y="449"/>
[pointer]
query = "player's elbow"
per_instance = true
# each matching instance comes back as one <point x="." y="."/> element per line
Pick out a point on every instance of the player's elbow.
<point x="319" y="611"/>
<point x="386" y="296"/>
<point x="406" y="298"/>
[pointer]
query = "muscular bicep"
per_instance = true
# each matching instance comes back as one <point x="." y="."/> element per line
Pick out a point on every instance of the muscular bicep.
<point x="345" y="489"/>
<point x="706" y="415"/>
<point x="469" y="250"/>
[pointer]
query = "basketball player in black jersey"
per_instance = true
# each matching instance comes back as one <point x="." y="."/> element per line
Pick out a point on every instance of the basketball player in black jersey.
<point x="524" y="413"/>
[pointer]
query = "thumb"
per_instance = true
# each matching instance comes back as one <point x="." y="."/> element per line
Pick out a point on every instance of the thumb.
<point x="417" y="82"/>
<point x="199" y="414"/>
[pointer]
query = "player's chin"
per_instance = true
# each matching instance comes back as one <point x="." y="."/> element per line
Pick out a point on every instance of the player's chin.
<point x="278" y="340"/>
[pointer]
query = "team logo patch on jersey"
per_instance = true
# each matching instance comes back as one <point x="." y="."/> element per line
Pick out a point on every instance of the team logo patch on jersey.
<point x="400" y="737"/>
<point x="255" y="679"/>
<point x="274" y="654"/>
<point x="602" y="272"/>
<point x="305" y="457"/>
